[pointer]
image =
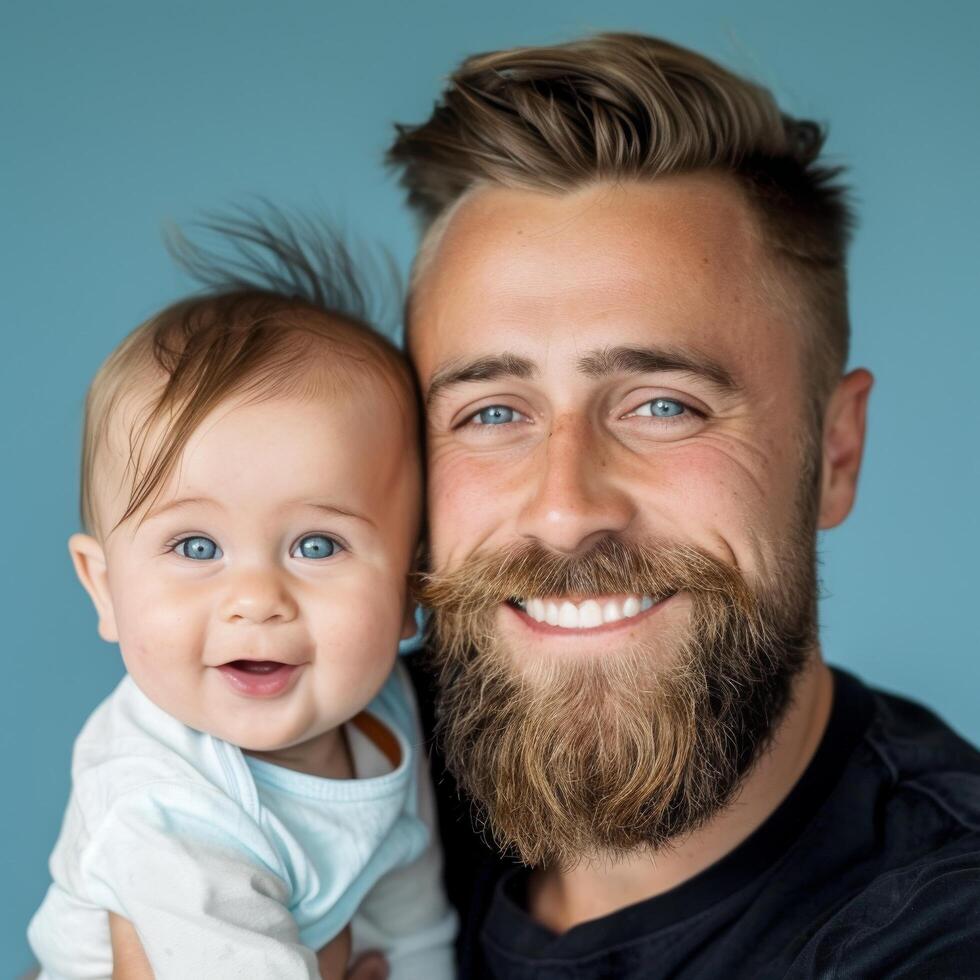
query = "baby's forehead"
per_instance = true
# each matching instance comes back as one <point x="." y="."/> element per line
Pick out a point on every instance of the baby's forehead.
<point x="350" y="375"/>
<point x="362" y="362"/>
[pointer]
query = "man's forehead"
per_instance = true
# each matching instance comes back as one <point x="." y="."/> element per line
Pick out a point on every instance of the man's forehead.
<point x="669" y="264"/>
<point x="688" y="216"/>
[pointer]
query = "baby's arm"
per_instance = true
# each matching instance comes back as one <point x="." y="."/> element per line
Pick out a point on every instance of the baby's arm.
<point x="128" y="956"/>
<point x="199" y="883"/>
<point x="129" y="962"/>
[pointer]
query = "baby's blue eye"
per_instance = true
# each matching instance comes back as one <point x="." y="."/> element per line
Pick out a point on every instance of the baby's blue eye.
<point x="496" y="415"/>
<point x="661" y="408"/>
<point x="315" y="546"/>
<point x="198" y="548"/>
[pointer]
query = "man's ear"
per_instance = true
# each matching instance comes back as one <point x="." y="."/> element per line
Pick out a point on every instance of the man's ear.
<point x="843" y="444"/>
<point x="88" y="557"/>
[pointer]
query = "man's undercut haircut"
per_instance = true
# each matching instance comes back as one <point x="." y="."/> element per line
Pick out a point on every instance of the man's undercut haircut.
<point x="618" y="107"/>
<point x="283" y="311"/>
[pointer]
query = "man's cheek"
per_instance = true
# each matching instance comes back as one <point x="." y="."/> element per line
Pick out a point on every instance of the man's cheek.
<point x="454" y="470"/>
<point x="467" y="504"/>
<point x="719" y="510"/>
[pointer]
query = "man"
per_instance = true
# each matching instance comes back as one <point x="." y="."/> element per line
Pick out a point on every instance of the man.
<point x="628" y="317"/>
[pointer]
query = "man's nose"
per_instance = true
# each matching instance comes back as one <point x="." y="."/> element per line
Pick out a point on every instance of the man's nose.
<point x="258" y="595"/>
<point x="574" y="498"/>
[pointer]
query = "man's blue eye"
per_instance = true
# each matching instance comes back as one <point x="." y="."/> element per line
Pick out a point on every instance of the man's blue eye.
<point x="198" y="548"/>
<point x="662" y="408"/>
<point x="315" y="546"/>
<point x="496" y="415"/>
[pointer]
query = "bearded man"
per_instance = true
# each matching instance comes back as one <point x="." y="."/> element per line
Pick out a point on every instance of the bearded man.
<point x="628" y="317"/>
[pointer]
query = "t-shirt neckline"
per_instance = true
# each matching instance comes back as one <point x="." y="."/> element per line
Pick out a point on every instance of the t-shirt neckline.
<point x="359" y="788"/>
<point x="509" y="925"/>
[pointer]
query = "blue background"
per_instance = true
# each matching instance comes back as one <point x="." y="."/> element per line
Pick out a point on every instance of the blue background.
<point x="119" y="117"/>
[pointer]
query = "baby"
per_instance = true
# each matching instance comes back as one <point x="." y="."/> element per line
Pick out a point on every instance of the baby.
<point x="251" y="490"/>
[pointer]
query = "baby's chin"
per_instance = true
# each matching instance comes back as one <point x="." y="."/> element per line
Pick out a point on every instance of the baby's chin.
<point x="288" y="724"/>
<point x="296" y="739"/>
<point x="257" y="736"/>
<point x="251" y="728"/>
<point x="245" y="735"/>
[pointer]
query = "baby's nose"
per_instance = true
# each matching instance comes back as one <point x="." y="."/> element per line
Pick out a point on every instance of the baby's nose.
<point x="258" y="596"/>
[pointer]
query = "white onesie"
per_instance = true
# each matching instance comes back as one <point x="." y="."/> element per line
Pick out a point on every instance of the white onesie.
<point x="232" y="867"/>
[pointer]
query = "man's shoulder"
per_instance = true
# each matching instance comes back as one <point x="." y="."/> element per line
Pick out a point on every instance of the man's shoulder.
<point x="923" y="755"/>
<point x="915" y="791"/>
<point x="918" y="920"/>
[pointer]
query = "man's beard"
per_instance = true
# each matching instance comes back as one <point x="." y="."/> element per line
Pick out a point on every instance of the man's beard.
<point x="634" y="748"/>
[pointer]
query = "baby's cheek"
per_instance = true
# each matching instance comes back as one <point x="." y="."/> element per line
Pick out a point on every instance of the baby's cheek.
<point x="158" y="634"/>
<point x="368" y="605"/>
<point x="168" y="666"/>
<point x="364" y="645"/>
<point x="356" y="649"/>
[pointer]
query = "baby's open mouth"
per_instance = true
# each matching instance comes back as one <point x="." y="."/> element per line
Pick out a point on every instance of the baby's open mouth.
<point x="258" y="678"/>
<point x="256" y="666"/>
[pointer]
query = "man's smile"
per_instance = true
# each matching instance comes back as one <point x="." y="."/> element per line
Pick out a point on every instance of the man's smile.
<point x="555" y="614"/>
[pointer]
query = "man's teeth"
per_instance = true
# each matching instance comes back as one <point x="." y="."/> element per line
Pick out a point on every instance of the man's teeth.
<point x="585" y="614"/>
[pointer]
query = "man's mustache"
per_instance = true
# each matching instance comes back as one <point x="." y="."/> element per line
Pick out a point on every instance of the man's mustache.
<point x="612" y="567"/>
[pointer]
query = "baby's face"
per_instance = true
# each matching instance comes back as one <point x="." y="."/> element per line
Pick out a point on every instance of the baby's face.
<point x="262" y="596"/>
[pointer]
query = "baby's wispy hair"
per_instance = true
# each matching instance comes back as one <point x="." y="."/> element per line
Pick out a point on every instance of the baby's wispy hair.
<point x="285" y="303"/>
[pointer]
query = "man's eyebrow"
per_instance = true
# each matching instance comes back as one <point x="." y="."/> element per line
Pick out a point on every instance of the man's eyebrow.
<point x="647" y="360"/>
<point x="608" y="360"/>
<point x="487" y="368"/>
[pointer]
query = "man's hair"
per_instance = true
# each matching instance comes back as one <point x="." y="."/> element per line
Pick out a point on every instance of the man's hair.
<point x="622" y="107"/>
<point x="285" y="308"/>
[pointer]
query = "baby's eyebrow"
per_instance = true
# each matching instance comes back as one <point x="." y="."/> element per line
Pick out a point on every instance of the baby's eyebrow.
<point x="177" y="503"/>
<point x="339" y="512"/>
<point x="331" y="509"/>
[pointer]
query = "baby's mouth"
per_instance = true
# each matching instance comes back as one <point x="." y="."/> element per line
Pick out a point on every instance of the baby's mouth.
<point x="256" y="666"/>
<point x="258" y="678"/>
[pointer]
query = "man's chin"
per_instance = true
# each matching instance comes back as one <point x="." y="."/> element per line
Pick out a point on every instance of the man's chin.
<point x="570" y="756"/>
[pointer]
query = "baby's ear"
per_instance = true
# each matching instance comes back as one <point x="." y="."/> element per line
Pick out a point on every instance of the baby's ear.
<point x="409" y="627"/>
<point x="88" y="558"/>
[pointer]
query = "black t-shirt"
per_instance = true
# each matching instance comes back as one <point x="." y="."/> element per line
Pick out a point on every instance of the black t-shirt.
<point x="869" y="868"/>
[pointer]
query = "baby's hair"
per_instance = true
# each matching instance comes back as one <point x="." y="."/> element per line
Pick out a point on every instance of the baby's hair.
<point x="283" y="299"/>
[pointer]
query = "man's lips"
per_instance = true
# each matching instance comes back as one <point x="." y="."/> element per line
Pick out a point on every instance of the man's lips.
<point x="561" y="615"/>
<point x="259" y="678"/>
